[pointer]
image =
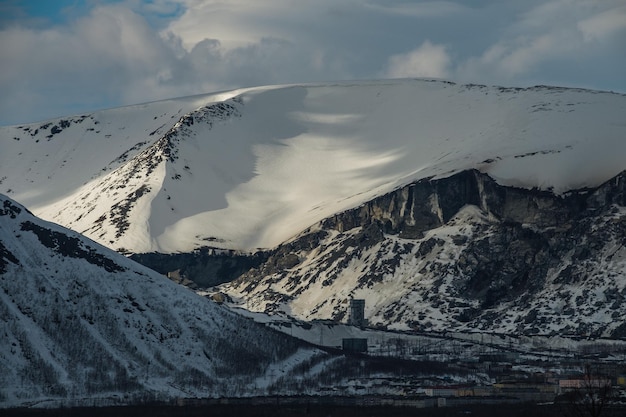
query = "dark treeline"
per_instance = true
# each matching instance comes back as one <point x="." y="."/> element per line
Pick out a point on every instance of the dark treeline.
<point x="312" y="410"/>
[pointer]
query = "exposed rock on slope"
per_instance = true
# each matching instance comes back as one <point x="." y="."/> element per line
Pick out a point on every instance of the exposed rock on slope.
<point x="204" y="268"/>
<point x="459" y="253"/>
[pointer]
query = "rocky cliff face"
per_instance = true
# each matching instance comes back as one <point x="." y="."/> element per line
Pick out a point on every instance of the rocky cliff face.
<point x="461" y="252"/>
<point x="427" y="204"/>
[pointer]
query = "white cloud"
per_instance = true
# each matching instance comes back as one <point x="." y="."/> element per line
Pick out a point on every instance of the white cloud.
<point x="102" y="57"/>
<point x="419" y="9"/>
<point x="509" y="59"/>
<point x="137" y="50"/>
<point x="428" y="60"/>
<point x="552" y="36"/>
<point x="113" y="57"/>
<point x="239" y="23"/>
<point x="603" y="25"/>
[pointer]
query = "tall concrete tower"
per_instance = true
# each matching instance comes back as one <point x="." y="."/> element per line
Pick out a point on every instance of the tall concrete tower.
<point x="357" y="313"/>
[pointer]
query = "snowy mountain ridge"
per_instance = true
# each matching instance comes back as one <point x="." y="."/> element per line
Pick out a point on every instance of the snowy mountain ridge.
<point x="254" y="167"/>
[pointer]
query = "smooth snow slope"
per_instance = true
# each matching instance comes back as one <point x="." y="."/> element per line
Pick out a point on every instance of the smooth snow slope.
<point x="274" y="160"/>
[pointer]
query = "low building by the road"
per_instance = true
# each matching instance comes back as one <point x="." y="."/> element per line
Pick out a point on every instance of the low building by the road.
<point x="582" y="383"/>
<point x="354" y="345"/>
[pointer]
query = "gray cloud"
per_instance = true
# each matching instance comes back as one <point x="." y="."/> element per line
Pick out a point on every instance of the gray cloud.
<point x="96" y="61"/>
<point x="133" y="51"/>
<point x="426" y="61"/>
<point x="555" y="42"/>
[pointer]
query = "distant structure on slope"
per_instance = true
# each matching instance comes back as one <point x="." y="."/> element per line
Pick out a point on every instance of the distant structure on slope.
<point x="357" y="313"/>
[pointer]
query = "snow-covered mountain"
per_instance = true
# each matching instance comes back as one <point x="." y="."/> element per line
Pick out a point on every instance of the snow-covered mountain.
<point x="252" y="168"/>
<point x="445" y="206"/>
<point x="79" y="321"/>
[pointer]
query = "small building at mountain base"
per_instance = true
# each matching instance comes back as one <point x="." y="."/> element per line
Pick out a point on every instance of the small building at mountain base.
<point x="355" y="345"/>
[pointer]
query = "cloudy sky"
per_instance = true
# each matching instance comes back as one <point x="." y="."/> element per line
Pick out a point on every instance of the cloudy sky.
<point x="65" y="57"/>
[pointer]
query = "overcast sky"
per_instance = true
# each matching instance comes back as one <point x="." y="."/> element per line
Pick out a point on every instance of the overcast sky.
<point x="64" y="57"/>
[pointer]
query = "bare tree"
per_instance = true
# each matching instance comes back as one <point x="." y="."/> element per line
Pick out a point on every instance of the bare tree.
<point x="591" y="395"/>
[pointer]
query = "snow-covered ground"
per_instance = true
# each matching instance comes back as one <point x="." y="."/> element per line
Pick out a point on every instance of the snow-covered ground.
<point x="80" y="322"/>
<point x="443" y="346"/>
<point x="253" y="167"/>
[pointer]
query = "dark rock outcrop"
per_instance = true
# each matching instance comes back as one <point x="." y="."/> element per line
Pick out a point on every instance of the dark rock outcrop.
<point x="427" y="204"/>
<point x="533" y="255"/>
<point x="205" y="267"/>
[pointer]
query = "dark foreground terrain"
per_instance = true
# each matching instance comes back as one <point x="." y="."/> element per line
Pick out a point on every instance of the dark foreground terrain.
<point x="266" y="410"/>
